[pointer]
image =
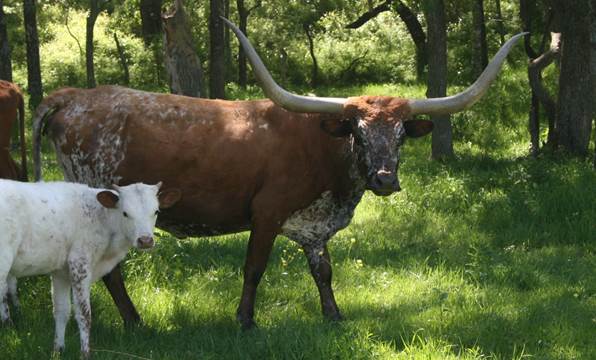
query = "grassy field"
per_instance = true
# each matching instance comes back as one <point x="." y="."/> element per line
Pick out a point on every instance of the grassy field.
<point x="489" y="255"/>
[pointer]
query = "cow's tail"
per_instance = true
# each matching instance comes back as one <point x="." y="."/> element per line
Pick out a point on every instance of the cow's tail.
<point x="23" y="175"/>
<point x="43" y="114"/>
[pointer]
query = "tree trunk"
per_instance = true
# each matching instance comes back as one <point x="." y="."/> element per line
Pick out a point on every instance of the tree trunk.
<point x="94" y="11"/>
<point x="34" y="86"/>
<point x="442" y="141"/>
<point x="182" y="62"/>
<point x="499" y="19"/>
<point x="418" y="36"/>
<point x="593" y="66"/>
<point x="216" y="51"/>
<point x="123" y="60"/>
<point x="150" y="20"/>
<point x="480" y="46"/>
<point x="314" y="78"/>
<point x="5" y="60"/>
<point x="574" y="120"/>
<point x="243" y="13"/>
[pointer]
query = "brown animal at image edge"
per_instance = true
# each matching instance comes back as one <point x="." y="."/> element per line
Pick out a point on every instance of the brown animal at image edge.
<point x="11" y="103"/>
<point x="292" y="165"/>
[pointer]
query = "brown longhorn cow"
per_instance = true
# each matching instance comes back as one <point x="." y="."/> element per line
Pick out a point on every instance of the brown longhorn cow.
<point x="292" y="165"/>
<point x="11" y="102"/>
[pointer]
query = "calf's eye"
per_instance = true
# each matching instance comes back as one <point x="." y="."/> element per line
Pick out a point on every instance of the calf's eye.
<point x="125" y="214"/>
<point x="156" y="212"/>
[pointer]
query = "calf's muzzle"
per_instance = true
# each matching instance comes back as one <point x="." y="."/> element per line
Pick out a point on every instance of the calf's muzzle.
<point x="145" y="242"/>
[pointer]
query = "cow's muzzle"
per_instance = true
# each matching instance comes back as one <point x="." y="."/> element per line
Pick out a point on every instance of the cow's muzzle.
<point x="145" y="242"/>
<point x="384" y="183"/>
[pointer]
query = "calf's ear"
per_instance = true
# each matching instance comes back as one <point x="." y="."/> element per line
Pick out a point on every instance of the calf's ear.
<point x="168" y="198"/>
<point x="418" y="128"/>
<point x="108" y="199"/>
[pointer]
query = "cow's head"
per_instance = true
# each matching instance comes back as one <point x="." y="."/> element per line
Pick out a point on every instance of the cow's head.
<point x="378" y="125"/>
<point x="135" y="208"/>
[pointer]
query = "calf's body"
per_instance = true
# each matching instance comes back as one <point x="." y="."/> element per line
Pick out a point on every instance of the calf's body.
<point x="73" y="232"/>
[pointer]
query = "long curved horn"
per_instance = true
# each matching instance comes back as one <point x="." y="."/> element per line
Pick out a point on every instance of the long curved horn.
<point x="458" y="102"/>
<point x="276" y="93"/>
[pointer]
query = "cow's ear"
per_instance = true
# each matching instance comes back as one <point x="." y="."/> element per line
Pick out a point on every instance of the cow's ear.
<point x="337" y="128"/>
<point x="169" y="197"/>
<point x="108" y="199"/>
<point x="418" y="128"/>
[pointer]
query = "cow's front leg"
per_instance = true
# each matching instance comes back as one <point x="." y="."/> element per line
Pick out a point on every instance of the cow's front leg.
<point x="320" y="268"/>
<point x="115" y="285"/>
<point x="81" y="284"/>
<point x="259" y="247"/>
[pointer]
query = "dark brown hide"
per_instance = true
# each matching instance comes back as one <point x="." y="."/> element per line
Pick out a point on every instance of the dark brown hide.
<point x="241" y="165"/>
<point x="11" y="101"/>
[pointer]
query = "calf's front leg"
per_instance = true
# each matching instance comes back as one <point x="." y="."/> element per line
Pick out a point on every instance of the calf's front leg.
<point x="80" y="275"/>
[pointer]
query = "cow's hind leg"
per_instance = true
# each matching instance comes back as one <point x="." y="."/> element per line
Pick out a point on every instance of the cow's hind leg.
<point x="320" y="268"/>
<point x="61" y="307"/>
<point x="115" y="284"/>
<point x="259" y="247"/>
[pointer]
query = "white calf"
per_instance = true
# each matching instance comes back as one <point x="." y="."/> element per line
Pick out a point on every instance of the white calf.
<point x="75" y="233"/>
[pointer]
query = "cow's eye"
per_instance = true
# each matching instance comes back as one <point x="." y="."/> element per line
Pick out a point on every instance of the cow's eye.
<point x="125" y="214"/>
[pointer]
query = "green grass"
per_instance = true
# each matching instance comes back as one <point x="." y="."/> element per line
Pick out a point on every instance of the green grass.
<point x="490" y="255"/>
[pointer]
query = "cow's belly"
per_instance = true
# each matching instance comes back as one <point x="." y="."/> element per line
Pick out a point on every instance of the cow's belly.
<point x="183" y="230"/>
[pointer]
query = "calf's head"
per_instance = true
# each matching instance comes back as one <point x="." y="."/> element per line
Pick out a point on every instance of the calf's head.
<point x="378" y="124"/>
<point x="136" y="208"/>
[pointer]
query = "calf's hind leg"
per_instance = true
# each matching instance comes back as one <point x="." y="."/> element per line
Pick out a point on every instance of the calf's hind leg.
<point x="61" y="302"/>
<point x="5" y="265"/>
<point x="12" y="292"/>
<point x="81" y="287"/>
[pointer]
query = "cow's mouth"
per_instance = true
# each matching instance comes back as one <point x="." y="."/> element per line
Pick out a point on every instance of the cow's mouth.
<point x="384" y="192"/>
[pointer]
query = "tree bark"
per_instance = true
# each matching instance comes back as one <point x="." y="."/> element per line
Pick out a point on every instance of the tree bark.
<point x="480" y="44"/>
<point x="5" y="59"/>
<point x="442" y="138"/>
<point x="418" y="36"/>
<point x="243" y="14"/>
<point x="216" y="51"/>
<point x="499" y="19"/>
<point x="314" y="78"/>
<point x="123" y="60"/>
<point x="94" y="10"/>
<point x="412" y="24"/>
<point x="574" y="120"/>
<point x="34" y="86"/>
<point x="370" y="14"/>
<point x="182" y="62"/>
<point x="540" y="92"/>
<point x="150" y="20"/>
<point x="594" y="66"/>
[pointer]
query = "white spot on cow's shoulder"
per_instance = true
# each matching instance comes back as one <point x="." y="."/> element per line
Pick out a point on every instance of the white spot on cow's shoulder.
<point x="264" y="126"/>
